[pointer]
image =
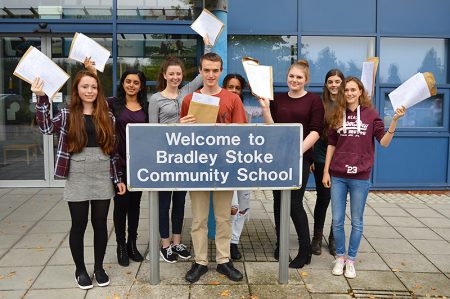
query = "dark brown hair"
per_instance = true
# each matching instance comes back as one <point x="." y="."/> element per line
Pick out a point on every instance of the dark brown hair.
<point x="328" y="104"/>
<point x="169" y="61"/>
<point x="211" y="56"/>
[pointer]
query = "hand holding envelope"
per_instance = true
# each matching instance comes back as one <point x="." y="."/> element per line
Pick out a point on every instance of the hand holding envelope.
<point x="260" y="78"/>
<point x="83" y="47"/>
<point x="203" y="108"/>
<point x="208" y="26"/>
<point x="419" y="87"/>
<point x="35" y="64"/>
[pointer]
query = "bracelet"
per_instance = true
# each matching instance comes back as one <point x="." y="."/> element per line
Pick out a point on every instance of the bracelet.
<point x="390" y="132"/>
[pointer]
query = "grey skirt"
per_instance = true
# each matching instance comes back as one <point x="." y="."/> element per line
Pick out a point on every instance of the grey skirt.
<point x="89" y="176"/>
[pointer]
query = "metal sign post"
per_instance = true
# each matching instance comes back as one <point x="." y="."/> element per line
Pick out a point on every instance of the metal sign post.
<point x="285" y="216"/>
<point x="153" y="219"/>
<point x="214" y="157"/>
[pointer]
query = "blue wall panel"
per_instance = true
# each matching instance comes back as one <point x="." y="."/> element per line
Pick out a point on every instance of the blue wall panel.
<point x="349" y="16"/>
<point x="412" y="161"/>
<point x="256" y="16"/>
<point x="415" y="17"/>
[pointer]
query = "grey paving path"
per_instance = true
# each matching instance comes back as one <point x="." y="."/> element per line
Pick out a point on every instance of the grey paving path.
<point x="405" y="253"/>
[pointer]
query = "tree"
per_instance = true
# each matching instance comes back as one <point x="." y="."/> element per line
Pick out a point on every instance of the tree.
<point x="393" y="78"/>
<point x="431" y="63"/>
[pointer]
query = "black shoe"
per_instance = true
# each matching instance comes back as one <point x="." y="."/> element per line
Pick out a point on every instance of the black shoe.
<point x="101" y="277"/>
<point x="196" y="272"/>
<point x="181" y="251"/>
<point x="276" y="253"/>
<point x="133" y="252"/>
<point x="230" y="271"/>
<point x="303" y="258"/>
<point x="122" y="255"/>
<point x="168" y="255"/>
<point x="331" y="245"/>
<point x="316" y="243"/>
<point x="234" y="252"/>
<point x="83" y="280"/>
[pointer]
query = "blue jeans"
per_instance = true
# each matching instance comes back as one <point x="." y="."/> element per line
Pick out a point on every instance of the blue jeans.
<point x="358" y="189"/>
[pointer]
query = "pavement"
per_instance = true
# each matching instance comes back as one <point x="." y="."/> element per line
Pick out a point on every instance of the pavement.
<point x="405" y="253"/>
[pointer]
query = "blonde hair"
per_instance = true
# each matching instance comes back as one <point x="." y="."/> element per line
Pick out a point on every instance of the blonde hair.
<point x="303" y="65"/>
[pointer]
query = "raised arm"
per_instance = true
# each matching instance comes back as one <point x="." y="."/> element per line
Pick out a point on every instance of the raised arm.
<point x="387" y="138"/>
<point x="47" y="125"/>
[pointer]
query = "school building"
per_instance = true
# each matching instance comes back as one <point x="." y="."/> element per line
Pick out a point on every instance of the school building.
<point x="408" y="36"/>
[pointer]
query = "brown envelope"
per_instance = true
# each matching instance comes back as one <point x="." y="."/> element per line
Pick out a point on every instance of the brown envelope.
<point x="204" y="113"/>
<point x="431" y="82"/>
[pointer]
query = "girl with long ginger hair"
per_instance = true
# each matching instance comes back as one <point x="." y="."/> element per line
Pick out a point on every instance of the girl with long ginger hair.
<point x="86" y="157"/>
<point x="348" y="163"/>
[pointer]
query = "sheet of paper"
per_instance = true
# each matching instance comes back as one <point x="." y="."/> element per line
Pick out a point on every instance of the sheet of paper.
<point x="204" y="107"/>
<point x="35" y="64"/>
<point x="260" y="78"/>
<point x="208" y="25"/>
<point x="367" y="76"/>
<point x="83" y="46"/>
<point x="411" y="92"/>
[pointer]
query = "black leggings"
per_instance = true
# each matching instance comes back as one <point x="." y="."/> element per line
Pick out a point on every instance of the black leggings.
<point x="79" y="212"/>
<point x="127" y="204"/>
<point x="298" y="213"/>
<point x="177" y="216"/>
<point x="323" y="197"/>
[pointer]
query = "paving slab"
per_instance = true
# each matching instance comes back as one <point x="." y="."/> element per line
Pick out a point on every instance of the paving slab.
<point x="27" y="257"/>
<point x="288" y="291"/>
<point x="109" y="292"/>
<point x="424" y="213"/>
<point x="9" y="227"/>
<point x="370" y="261"/>
<point x="426" y="284"/>
<point x="267" y="274"/>
<point x="219" y="291"/>
<point x="408" y="262"/>
<point x="431" y="246"/>
<point x="392" y="211"/>
<point x="122" y="276"/>
<point x="322" y="262"/>
<point x="380" y="232"/>
<point x="58" y="277"/>
<point x="404" y="221"/>
<point x="374" y="220"/>
<point x="170" y="274"/>
<point x="383" y="245"/>
<point x="331" y="296"/>
<point x="435" y="222"/>
<point x="41" y="240"/>
<point x="443" y="232"/>
<point x="418" y="233"/>
<point x="145" y="290"/>
<point x="9" y="240"/>
<point x="18" y="278"/>
<point x="322" y="281"/>
<point x="376" y="280"/>
<point x="55" y="226"/>
<point x="12" y="294"/>
<point x="441" y="261"/>
<point x="74" y="293"/>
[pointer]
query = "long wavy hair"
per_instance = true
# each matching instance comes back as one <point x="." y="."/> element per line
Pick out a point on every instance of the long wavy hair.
<point x="328" y="104"/>
<point x="169" y="61"/>
<point x="364" y="102"/>
<point x="104" y="130"/>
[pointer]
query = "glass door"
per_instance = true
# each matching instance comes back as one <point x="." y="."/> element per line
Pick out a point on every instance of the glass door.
<point x="26" y="156"/>
<point x="23" y="158"/>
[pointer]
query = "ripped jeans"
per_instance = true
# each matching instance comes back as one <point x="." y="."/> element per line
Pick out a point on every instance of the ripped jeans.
<point x="241" y="202"/>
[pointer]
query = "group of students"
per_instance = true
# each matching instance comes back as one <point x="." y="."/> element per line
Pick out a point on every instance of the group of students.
<point x="91" y="152"/>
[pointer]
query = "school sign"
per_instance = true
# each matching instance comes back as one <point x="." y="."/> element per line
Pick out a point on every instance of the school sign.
<point x="213" y="156"/>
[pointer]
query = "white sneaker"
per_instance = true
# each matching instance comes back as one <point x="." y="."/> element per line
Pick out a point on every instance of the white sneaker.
<point x="350" y="271"/>
<point x="338" y="268"/>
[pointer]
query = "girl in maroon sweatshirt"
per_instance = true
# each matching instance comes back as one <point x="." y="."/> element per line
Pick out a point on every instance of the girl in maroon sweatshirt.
<point x="348" y="162"/>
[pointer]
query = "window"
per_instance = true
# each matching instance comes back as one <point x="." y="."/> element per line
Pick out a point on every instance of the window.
<point x="328" y="52"/>
<point x="278" y="51"/>
<point x="423" y="55"/>
<point x="159" y="9"/>
<point x="428" y="113"/>
<point x="56" y="9"/>
<point x="145" y="52"/>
